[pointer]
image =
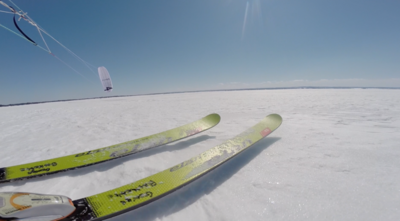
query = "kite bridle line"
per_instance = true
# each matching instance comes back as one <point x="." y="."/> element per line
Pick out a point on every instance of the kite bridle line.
<point x="24" y="15"/>
<point x="40" y="29"/>
<point x="20" y="13"/>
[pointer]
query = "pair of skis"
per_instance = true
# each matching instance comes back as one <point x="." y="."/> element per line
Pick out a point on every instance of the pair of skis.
<point x="131" y="196"/>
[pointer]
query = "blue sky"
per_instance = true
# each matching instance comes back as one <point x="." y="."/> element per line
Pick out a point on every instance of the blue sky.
<point x="157" y="46"/>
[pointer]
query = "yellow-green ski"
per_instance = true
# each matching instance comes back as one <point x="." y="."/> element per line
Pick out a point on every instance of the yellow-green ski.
<point x="96" y="156"/>
<point x="113" y="202"/>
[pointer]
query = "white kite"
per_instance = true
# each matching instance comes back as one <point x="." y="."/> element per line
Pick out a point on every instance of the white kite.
<point x="105" y="79"/>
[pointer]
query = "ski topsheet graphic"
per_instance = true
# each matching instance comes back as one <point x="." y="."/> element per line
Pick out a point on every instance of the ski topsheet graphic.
<point x="120" y="200"/>
<point x="87" y="158"/>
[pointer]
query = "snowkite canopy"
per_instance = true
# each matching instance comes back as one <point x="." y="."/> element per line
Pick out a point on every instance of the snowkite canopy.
<point x="105" y="79"/>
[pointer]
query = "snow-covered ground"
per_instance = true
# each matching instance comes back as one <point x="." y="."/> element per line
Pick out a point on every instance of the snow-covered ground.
<point x="336" y="155"/>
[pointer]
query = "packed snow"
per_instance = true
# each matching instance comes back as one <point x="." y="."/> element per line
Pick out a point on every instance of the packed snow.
<point x="336" y="155"/>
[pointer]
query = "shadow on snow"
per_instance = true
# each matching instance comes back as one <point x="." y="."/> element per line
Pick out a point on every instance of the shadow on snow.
<point x="189" y="194"/>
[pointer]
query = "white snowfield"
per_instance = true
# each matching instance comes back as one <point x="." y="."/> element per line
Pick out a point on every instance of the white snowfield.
<point x="336" y="155"/>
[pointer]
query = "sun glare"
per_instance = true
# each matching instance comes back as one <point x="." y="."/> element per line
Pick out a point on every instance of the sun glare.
<point x="252" y="16"/>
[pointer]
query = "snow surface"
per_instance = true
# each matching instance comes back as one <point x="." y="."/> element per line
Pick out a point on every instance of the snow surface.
<point x="335" y="156"/>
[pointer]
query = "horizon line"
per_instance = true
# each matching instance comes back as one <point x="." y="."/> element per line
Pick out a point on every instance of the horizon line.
<point x="197" y="91"/>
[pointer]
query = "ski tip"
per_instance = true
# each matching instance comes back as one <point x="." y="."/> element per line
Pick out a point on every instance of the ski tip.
<point x="275" y="120"/>
<point x="275" y="116"/>
<point x="215" y="118"/>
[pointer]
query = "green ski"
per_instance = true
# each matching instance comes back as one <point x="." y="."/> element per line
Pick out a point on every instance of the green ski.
<point x="96" y="156"/>
<point x="131" y="196"/>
